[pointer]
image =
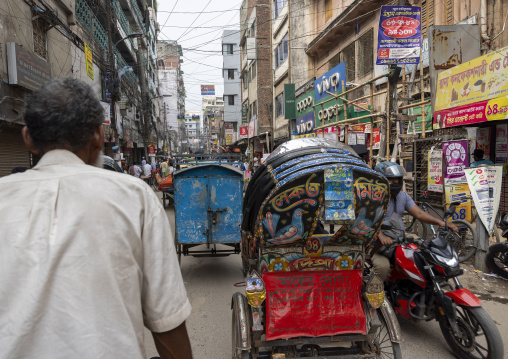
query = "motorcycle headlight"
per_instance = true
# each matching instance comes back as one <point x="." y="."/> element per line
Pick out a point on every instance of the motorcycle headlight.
<point x="450" y="262"/>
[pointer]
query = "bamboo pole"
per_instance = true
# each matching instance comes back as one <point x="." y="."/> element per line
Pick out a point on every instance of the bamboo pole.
<point x="414" y="105"/>
<point x="371" y="150"/>
<point x="351" y="120"/>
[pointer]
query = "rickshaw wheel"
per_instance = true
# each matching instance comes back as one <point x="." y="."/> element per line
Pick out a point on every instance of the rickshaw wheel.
<point x="382" y="345"/>
<point x="237" y="353"/>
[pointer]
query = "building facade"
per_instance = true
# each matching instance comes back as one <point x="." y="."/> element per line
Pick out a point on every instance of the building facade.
<point x="231" y="73"/>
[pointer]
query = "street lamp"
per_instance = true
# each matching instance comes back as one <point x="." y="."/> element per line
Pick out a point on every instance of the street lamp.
<point x="130" y="36"/>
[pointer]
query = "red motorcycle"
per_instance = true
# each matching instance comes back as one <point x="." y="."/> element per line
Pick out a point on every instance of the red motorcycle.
<point x="424" y="285"/>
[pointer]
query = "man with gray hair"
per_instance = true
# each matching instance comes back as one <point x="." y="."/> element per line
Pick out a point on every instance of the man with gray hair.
<point x="87" y="255"/>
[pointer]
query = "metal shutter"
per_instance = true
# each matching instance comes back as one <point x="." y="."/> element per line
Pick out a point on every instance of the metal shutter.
<point x="13" y="152"/>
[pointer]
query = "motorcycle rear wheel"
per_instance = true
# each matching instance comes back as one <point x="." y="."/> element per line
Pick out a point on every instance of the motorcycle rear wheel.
<point x="385" y="348"/>
<point x="497" y="259"/>
<point x="480" y="336"/>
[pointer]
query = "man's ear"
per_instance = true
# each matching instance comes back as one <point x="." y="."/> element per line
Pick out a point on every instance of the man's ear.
<point x="98" y="139"/>
<point x="28" y="141"/>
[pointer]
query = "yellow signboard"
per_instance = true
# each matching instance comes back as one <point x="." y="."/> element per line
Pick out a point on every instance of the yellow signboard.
<point x="306" y="135"/>
<point x="89" y="61"/>
<point x="229" y="139"/>
<point x="459" y="193"/>
<point x="481" y="79"/>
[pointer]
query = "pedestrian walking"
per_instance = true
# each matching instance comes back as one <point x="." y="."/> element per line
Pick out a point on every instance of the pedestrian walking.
<point x="87" y="255"/>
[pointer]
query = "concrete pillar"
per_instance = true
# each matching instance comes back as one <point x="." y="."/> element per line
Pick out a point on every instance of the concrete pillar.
<point x="482" y="245"/>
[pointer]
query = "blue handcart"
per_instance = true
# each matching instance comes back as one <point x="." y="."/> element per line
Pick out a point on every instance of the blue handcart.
<point x="208" y="210"/>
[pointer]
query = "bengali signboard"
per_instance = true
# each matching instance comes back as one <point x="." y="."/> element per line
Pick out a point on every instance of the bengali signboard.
<point x="25" y="68"/>
<point x="330" y="82"/>
<point x="89" y="61"/>
<point x="376" y="139"/>
<point x="485" y="186"/>
<point x="207" y="90"/>
<point x="473" y="92"/>
<point x="456" y="161"/>
<point x="314" y="304"/>
<point x="435" y="171"/>
<point x="459" y="193"/>
<point x="399" y="35"/>
<point x="244" y="132"/>
<point x="107" y="113"/>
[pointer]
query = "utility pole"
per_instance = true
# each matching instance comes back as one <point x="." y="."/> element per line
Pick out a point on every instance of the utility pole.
<point x="112" y="67"/>
<point x="144" y="100"/>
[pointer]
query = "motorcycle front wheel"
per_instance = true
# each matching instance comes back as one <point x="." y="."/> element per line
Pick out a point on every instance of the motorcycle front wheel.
<point x="479" y="336"/>
<point x="497" y="259"/>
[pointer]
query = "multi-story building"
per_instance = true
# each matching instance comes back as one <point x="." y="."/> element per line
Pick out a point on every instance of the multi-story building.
<point x="171" y="86"/>
<point x="257" y="77"/>
<point x="213" y="115"/>
<point x="232" y="88"/>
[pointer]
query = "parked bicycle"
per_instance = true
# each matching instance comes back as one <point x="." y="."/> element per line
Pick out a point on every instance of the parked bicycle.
<point x="463" y="242"/>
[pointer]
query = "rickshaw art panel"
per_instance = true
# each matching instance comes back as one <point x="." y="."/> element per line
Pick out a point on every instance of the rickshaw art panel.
<point x="314" y="304"/>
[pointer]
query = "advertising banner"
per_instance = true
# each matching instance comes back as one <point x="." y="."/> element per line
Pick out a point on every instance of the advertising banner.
<point x="244" y="132"/>
<point x="376" y="137"/>
<point x="89" y="61"/>
<point x="180" y="118"/>
<point x="415" y="127"/>
<point x="474" y="91"/>
<point x="151" y="150"/>
<point x="305" y="124"/>
<point x="331" y="82"/>
<point x="195" y="117"/>
<point x="435" y="171"/>
<point x="107" y="113"/>
<point x="399" y="35"/>
<point x="485" y="186"/>
<point x="328" y="302"/>
<point x="459" y="193"/>
<point x="207" y="90"/>
<point x="304" y="103"/>
<point x="456" y="161"/>
<point x="289" y="101"/>
<point x="252" y="127"/>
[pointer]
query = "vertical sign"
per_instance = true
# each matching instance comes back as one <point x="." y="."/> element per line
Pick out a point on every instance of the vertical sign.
<point x="89" y="61"/>
<point x="456" y="159"/>
<point x="399" y="35"/>
<point x="485" y="186"/>
<point x="245" y="110"/>
<point x="107" y="113"/>
<point x="289" y="102"/>
<point x="435" y="171"/>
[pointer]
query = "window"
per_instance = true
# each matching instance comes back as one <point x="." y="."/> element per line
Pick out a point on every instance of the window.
<point x="255" y="108"/>
<point x="253" y="71"/>
<point x="277" y="7"/>
<point x="227" y="49"/>
<point x="245" y="79"/>
<point x="334" y="61"/>
<point x="40" y="29"/>
<point x="279" y="101"/>
<point x="230" y="100"/>
<point x="365" y="53"/>
<point x="281" y="52"/>
<point x="231" y="74"/>
<point x="348" y="56"/>
<point x="328" y="10"/>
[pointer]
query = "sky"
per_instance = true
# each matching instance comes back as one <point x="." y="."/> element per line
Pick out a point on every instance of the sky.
<point x="197" y="25"/>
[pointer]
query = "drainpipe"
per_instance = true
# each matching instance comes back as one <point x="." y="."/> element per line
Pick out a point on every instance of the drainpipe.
<point x="483" y="19"/>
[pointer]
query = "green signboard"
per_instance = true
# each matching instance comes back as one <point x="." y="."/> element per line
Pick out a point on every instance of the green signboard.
<point x="289" y="101"/>
<point x="415" y="127"/>
<point x="305" y="103"/>
<point x="329" y="112"/>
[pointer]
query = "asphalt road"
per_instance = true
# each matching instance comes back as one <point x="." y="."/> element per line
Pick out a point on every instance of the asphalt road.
<point x="210" y="286"/>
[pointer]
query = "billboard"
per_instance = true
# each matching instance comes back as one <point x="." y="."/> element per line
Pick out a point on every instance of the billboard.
<point x="330" y="82"/>
<point x="207" y="90"/>
<point x="195" y="117"/>
<point x="399" y="35"/>
<point x="244" y="132"/>
<point x="25" y="68"/>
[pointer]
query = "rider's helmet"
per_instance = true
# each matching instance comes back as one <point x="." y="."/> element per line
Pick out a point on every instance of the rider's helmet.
<point x="392" y="170"/>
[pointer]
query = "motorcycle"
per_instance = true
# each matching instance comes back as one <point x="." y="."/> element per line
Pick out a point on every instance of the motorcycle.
<point x="424" y="285"/>
<point x="497" y="256"/>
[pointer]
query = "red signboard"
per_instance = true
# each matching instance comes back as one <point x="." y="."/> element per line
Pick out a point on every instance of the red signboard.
<point x="314" y="304"/>
<point x="151" y="150"/>
<point x="244" y="131"/>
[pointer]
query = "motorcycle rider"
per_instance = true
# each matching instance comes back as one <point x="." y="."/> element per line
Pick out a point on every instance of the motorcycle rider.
<point x="399" y="202"/>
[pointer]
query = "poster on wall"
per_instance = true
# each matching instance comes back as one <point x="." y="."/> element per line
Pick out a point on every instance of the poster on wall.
<point x="483" y="141"/>
<point x="456" y="161"/>
<point x="459" y="193"/>
<point x="376" y="137"/>
<point x="399" y="35"/>
<point x="485" y="186"/>
<point x="435" y="171"/>
<point x="351" y="139"/>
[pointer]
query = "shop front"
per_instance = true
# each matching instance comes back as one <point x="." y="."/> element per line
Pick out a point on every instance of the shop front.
<point x="474" y="96"/>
